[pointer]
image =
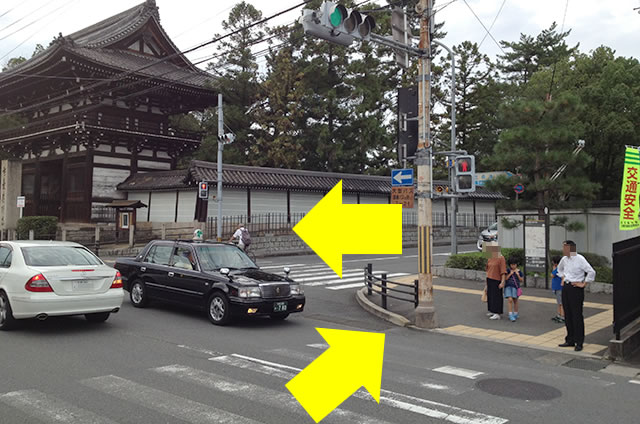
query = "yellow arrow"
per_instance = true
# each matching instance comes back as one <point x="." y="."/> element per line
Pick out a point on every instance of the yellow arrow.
<point x="332" y="229"/>
<point x="354" y="359"/>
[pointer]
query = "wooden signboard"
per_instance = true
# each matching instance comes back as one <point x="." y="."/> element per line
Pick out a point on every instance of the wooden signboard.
<point x="403" y="196"/>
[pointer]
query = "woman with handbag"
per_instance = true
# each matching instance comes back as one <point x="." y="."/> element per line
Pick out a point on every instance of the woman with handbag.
<point x="496" y="272"/>
<point x="512" y="290"/>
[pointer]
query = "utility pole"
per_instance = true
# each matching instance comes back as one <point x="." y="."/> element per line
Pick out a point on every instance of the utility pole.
<point x="219" y="184"/>
<point x="425" y="312"/>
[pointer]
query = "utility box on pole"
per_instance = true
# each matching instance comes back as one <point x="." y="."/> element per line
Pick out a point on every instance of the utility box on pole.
<point x="400" y="33"/>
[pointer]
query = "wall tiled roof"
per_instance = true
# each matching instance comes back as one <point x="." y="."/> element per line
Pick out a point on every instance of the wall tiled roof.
<point x="254" y="177"/>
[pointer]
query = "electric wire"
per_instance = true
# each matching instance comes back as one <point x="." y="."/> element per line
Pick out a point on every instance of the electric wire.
<point x="492" y="23"/>
<point x="485" y="28"/>
<point x="553" y="73"/>
<point x="35" y="21"/>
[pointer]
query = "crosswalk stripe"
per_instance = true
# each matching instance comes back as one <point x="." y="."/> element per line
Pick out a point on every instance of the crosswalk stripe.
<point x="361" y="283"/>
<point x="347" y="280"/>
<point x="332" y="276"/>
<point x="397" y="400"/>
<point x="271" y="398"/>
<point x="167" y="403"/>
<point x="50" y="409"/>
<point x="325" y="271"/>
<point x="282" y="266"/>
<point x="460" y="372"/>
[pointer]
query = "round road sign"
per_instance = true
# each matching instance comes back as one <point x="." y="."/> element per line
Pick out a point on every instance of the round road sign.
<point x="518" y="188"/>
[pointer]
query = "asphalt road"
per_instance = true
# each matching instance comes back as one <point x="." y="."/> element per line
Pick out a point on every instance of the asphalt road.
<point x="166" y="364"/>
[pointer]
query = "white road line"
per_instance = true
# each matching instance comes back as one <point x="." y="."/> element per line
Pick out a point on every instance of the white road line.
<point x="254" y="393"/>
<point x="460" y="372"/>
<point x="397" y="400"/>
<point x="293" y="354"/>
<point x="333" y="276"/>
<point x="254" y="366"/>
<point x="327" y="273"/>
<point x="361" y="283"/>
<point x="163" y="402"/>
<point x="282" y="266"/>
<point x="205" y="351"/>
<point x="50" y="409"/>
<point x="634" y="381"/>
<point x="348" y="280"/>
<point x="322" y="346"/>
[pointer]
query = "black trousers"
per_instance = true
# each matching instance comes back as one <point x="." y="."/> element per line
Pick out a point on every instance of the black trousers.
<point x="494" y="296"/>
<point x="573" y="302"/>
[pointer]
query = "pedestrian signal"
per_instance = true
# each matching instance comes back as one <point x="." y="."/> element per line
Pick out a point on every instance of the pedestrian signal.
<point x="203" y="190"/>
<point x="465" y="174"/>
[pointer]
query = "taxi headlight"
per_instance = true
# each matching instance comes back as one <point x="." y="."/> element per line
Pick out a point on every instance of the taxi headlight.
<point x="249" y="292"/>
<point x="296" y="289"/>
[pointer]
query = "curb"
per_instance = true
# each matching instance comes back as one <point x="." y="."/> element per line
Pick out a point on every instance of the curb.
<point x="378" y="311"/>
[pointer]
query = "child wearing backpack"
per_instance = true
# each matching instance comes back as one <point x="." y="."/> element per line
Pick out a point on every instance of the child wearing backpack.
<point x="556" y="287"/>
<point x="512" y="290"/>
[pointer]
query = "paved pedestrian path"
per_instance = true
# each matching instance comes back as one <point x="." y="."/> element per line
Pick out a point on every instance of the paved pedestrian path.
<point x="459" y="311"/>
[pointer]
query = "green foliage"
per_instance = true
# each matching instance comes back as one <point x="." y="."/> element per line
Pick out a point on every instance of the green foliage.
<point x="44" y="227"/>
<point x="593" y="259"/>
<point x="604" y="274"/>
<point x="509" y="224"/>
<point x="478" y="260"/>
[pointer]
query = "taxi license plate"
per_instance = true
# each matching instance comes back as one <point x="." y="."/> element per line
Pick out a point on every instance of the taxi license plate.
<point x="279" y="306"/>
<point x="80" y="284"/>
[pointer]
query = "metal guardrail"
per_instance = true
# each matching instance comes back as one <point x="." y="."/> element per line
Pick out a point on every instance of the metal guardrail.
<point x="626" y="284"/>
<point x="371" y="280"/>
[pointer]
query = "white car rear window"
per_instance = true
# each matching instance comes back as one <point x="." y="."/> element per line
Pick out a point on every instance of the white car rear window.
<point x="58" y="256"/>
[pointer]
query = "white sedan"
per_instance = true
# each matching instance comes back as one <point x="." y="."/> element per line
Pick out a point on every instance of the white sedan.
<point x="39" y="279"/>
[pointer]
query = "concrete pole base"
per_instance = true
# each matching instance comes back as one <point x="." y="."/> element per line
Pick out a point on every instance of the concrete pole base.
<point x="426" y="317"/>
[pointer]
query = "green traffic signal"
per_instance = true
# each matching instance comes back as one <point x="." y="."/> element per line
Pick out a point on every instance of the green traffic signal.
<point x="337" y="16"/>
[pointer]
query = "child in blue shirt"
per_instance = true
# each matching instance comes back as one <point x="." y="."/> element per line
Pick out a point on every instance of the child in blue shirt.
<point x="556" y="287"/>
<point x="511" y="290"/>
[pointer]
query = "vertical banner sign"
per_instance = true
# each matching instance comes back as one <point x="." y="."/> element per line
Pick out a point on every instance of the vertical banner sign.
<point x="629" y="202"/>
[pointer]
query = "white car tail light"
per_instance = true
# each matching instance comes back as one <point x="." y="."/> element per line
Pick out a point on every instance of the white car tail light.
<point x="38" y="284"/>
<point x="117" y="281"/>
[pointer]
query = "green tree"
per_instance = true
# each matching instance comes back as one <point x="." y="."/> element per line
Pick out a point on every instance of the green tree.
<point x="13" y="62"/>
<point x="538" y="138"/>
<point x="609" y="89"/>
<point x="237" y="80"/>
<point x="477" y="94"/>
<point x="530" y="54"/>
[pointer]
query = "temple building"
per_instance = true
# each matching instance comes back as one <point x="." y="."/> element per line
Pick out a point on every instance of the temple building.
<point x="96" y="107"/>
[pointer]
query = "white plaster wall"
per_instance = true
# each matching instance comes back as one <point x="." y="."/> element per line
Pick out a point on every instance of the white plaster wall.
<point x="163" y="206"/>
<point x="143" y="196"/>
<point x="187" y="206"/>
<point x="374" y="199"/>
<point x="304" y="202"/>
<point x="234" y="202"/>
<point x="268" y="201"/>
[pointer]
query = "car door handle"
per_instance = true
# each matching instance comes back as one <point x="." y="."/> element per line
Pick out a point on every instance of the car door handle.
<point x="170" y="274"/>
<point x="143" y="268"/>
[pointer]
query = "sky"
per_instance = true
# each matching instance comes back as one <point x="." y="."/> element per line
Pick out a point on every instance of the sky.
<point x="614" y="23"/>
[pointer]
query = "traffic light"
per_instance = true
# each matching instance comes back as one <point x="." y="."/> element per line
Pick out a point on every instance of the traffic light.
<point x="338" y="24"/>
<point x="203" y="190"/>
<point x="465" y="174"/>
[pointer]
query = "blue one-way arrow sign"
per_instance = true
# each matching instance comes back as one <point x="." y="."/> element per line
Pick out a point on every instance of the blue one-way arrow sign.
<point x="402" y="177"/>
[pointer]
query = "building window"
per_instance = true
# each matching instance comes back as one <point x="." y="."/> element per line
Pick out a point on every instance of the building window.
<point x="124" y="220"/>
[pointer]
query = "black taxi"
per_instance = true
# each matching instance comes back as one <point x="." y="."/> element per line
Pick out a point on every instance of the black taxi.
<point x="218" y="278"/>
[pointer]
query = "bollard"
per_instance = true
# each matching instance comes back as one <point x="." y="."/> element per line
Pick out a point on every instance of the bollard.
<point x="384" y="291"/>
<point x="368" y="271"/>
<point x="164" y="232"/>
<point x="32" y="235"/>
<point x="97" y="246"/>
<point x="131" y="239"/>
<point x="415" y="286"/>
<point x="64" y="234"/>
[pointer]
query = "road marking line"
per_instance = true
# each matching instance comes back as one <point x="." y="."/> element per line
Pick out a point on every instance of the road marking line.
<point x="50" y="409"/>
<point x="205" y="351"/>
<point x="348" y="280"/>
<point x="322" y="346"/>
<point x="361" y="283"/>
<point x="332" y="275"/>
<point x="167" y="403"/>
<point x="634" y="381"/>
<point x="282" y="266"/>
<point x="460" y="372"/>
<point x="269" y="397"/>
<point x="387" y="397"/>
<point x="293" y="354"/>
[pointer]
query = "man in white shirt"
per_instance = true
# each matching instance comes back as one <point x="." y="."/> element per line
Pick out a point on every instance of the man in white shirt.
<point x="575" y="272"/>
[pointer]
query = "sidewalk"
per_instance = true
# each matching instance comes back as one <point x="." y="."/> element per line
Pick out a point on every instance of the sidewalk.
<point x="459" y="311"/>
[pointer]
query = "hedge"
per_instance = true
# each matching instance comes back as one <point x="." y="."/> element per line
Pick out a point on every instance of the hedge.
<point x="478" y="261"/>
<point x="44" y="227"/>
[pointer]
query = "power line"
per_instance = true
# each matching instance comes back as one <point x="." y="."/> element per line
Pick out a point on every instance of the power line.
<point x="492" y="23"/>
<point x="155" y="62"/>
<point x="555" y="63"/>
<point x="36" y="20"/>
<point x="485" y="28"/>
<point x="19" y="20"/>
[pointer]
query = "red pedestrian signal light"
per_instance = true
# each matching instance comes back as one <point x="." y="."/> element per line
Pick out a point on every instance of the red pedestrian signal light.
<point x="465" y="174"/>
<point x="203" y="190"/>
